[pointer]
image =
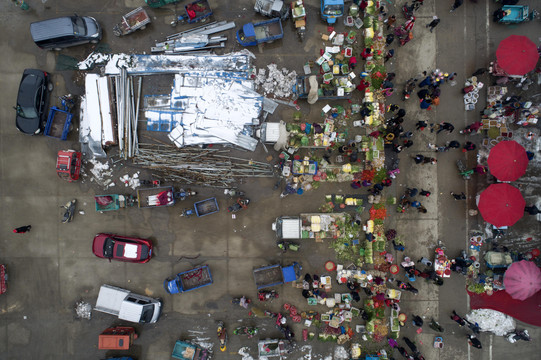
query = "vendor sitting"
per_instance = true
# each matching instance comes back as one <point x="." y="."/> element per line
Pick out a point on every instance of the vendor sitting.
<point x="500" y="14"/>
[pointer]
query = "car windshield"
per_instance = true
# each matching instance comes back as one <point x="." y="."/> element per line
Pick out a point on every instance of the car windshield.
<point x="333" y="10"/>
<point x="79" y="26"/>
<point x="108" y="247"/>
<point x="148" y="312"/>
<point x="27" y="112"/>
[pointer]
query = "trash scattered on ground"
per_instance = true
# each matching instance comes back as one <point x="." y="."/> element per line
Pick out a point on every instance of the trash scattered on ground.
<point x="244" y="352"/>
<point x="131" y="181"/>
<point x="101" y="173"/>
<point x="278" y="83"/>
<point x="83" y="310"/>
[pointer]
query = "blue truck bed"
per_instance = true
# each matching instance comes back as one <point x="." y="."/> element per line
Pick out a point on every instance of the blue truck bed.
<point x="273" y="275"/>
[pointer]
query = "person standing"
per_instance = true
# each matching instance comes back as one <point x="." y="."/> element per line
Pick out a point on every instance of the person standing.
<point x="418" y="158"/>
<point x="532" y="210"/>
<point x="446" y="126"/>
<point x="389" y="55"/>
<point x="425" y="193"/>
<point x="453" y="144"/>
<point x="460" y="196"/>
<point x="456" y="5"/>
<point x="22" y="229"/>
<point x="474" y="341"/>
<point x="421" y="125"/>
<point x="435" y="21"/>
<point x="390" y="21"/>
<point x="468" y="146"/>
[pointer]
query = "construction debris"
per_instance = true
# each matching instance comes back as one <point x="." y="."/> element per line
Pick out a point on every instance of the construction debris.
<point x="198" y="166"/>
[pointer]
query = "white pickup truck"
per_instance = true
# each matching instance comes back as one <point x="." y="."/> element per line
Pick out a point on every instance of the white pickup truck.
<point x="128" y="306"/>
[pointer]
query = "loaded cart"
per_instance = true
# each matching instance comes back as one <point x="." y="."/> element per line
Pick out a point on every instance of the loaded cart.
<point x="59" y="119"/>
<point x="196" y="11"/>
<point x="112" y="202"/>
<point x="202" y="208"/>
<point x="156" y="197"/>
<point x="186" y="351"/>
<point x="134" y="20"/>
<point x="273" y="275"/>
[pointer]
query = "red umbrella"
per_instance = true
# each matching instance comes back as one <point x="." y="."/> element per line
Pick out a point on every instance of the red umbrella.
<point x="501" y="205"/>
<point x="517" y="55"/>
<point x="507" y="161"/>
<point x="522" y="280"/>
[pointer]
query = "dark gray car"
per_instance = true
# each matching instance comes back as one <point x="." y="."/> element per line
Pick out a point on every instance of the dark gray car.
<point x="65" y="31"/>
<point x="32" y="101"/>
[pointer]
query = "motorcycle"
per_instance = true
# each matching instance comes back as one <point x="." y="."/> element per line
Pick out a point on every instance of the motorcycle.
<point x="246" y="330"/>
<point x="183" y="194"/>
<point x="409" y="88"/>
<point x="242" y="203"/>
<point x="242" y="301"/>
<point x="265" y="295"/>
<point x="288" y="245"/>
<point x="69" y="211"/>
<point x="407" y="287"/>
<point x="518" y="335"/>
<point x="463" y="171"/>
<point x="222" y="335"/>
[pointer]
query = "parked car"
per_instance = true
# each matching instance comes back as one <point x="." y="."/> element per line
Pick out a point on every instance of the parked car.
<point x="122" y="248"/>
<point x="32" y="101"/>
<point x="65" y="31"/>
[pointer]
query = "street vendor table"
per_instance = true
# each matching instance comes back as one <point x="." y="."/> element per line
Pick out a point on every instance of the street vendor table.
<point x="442" y="265"/>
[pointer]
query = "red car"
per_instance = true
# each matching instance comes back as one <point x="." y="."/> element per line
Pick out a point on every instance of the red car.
<point x="122" y="248"/>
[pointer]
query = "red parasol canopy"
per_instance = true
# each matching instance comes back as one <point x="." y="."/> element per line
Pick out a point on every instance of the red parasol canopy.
<point x="517" y="55"/>
<point x="522" y="280"/>
<point x="507" y="161"/>
<point x="501" y="205"/>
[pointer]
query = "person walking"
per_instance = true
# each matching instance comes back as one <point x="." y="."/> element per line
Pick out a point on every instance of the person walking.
<point x="431" y="160"/>
<point x="417" y="320"/>
<point x="479" y="71"/>
<point x="435" y="21"/>
<point x="425" y="193"/>
<point x="389" y="55"/>
<point x="456" y="5"/>
<point x="474" y="341"/>
<point x="453" y="144"/>
<point x="425" y="261"/>
<point x="411" y="345"/>
<point x="460" y="196"/>
<point x="421" y="125"/>
<point x="468" y="146"/>
<point x="422" y="209"/>
<point x="446" y="126"/>
<point x="390" y="21"/>
<point x="532" y="210"/>
<point x="411" y="192"/>
<point x="389" y="39"/>
<point x="418" y="158"/>
<point x="22" y="229"/>
<point x="460" y="321"/>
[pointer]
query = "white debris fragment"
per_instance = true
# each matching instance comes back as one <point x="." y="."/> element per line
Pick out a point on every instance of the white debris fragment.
<point x="340" y="353"/>
<point x="101" y="173"/>
<point x="132" y="181"/>
<point x="492" y="321"/>
<point x="278" y="83"/>
<point x="244" y="353"/>
<point x="83" y="310"/>
<point x="81" y="212"/>
<point x="93" y="59"/>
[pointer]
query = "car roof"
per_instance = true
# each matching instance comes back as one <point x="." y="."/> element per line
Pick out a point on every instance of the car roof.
<point x="42" y="30"/>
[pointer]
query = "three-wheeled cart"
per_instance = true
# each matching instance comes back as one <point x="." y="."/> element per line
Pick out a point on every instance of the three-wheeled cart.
<point x="156" y="197"/>
<point x="59" y="119"/>
<point x="112" y="202"/>
<point x="516" y="14"/>
<point x="117" y="338"/>
<point x="202" y="208"/>
<point x="186" y="351"/>
<point x="189" y="280"/>
<point x="136" y="19"/>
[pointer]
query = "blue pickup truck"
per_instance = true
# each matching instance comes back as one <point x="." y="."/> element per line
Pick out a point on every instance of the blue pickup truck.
<point x="188" y="280"/>
<point x="266" y="31"/>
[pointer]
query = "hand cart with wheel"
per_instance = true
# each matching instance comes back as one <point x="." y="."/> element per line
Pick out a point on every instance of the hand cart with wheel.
<point x="59" y="119"/>
<point x="136" y="19"/>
